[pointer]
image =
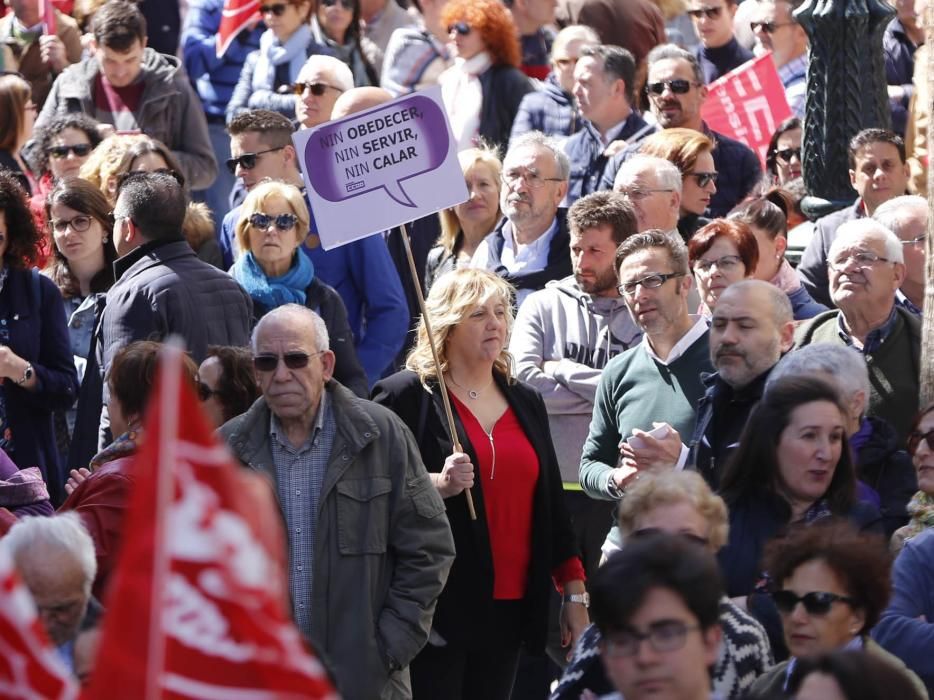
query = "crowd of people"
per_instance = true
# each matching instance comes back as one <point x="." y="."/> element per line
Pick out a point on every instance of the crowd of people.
<point x="654" y="432"/>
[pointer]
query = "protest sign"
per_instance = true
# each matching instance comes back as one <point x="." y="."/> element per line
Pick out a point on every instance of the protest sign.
<point x="380" y="168"/>
<point x="747" y="104"/>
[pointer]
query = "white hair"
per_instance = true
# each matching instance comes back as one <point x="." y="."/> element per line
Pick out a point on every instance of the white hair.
<point x="536" y="139"/>
<point x="340" y="72"/>
<point x="897" y="212"/>
<point x="303" y="318"/>
<point x="574" y="32"/>
<point x="65" y="532"/>
<point x="844" y="366"/>
<point x="860" y="227"/>
<point x="665" y="171"/>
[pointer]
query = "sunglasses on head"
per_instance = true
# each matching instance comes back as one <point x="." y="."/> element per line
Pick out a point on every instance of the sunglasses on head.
<point x="79" y="149"/>
<point x="461" y="28"/>
<point x="316" y="89"/>
<point x="205" y="392"/>
<point x="278" y="9"/>
<point x="678" y="86"/>
<point x="915" y="439"/>
<point x="292" y="360"/>
<point x="786" y="154"/>
<point x="708" y="12"/>
<point x="247" y="161"/>
<point x="346" y="4"/>
<point x="815" y="602"/>
<point x="282" y="222"/>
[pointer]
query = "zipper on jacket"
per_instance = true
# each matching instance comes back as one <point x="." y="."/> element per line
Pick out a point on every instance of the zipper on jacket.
<point x="489" y="436"/>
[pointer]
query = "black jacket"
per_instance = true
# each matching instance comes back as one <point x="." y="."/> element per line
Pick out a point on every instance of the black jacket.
<point x="882" y="465"/>
<point x="503" y="89"/>
<point x="466" y="605"/>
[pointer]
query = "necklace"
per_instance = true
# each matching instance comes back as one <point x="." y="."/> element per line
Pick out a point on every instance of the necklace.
<point x="473" y="394"/>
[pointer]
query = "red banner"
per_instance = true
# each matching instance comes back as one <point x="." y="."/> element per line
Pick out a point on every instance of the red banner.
<point x="235" y="17"/>
<point x="50" y="26"/>
<point x="748" y="104"/>
<point x="197" y="605"/>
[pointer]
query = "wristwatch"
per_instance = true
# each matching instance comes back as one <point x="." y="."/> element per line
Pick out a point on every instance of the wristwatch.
<point x="27" y="375"/>
<point x="582" y="598"/>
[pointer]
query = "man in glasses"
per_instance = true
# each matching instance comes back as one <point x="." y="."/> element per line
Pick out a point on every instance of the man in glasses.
<point x="878" y="173"/>
<point x="653" y="187"/>
<point x="369" y="542"/>
<point x="134" y="88"/>
<point x="777" y="31"/>
<point x="604" y="90"/>
<point x="676" y="92"/>
<point x="907" y="218"/>
<point x="866" y="268"/>
<point x="656" y="381"/>
<point x="657" y="606"/>
<point x="319" y="83"/>
<point x="719" y="51"/>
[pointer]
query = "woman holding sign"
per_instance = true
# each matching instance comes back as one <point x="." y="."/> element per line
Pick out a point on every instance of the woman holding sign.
<point x="496" y="597"/>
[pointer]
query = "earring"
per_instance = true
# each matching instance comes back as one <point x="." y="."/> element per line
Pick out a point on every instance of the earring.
<point x="104" y="239"/>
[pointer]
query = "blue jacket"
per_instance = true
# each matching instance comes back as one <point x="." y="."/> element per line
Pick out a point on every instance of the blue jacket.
<point x="899" y="53"/>
<point x="363" y="274"/>
<point x="31" y="307"/>
<point x="548" y="109"/>
<point x="803" y="306"/>
<point x="588" y="159"/>
<point x="213" y="78"/>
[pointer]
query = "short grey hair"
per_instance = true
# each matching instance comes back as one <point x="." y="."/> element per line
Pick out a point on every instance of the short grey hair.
<point x="845" y="366"/>
<point x="64" y="531"/>
<point x="857" y="227"/>
<point x="666" y="172"/>
<point x="779" y="303"/>
<point x="574" y="32"/>
<point x="339" y="71"/>
<point x="664" y="52"/>
<point x="304" y="317"/>
<point x="536" y="139"/>
<point x="896" y="212"/>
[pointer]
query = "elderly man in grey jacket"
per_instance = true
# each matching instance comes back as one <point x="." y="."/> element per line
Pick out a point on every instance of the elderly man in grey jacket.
<point x="369" y="542"/>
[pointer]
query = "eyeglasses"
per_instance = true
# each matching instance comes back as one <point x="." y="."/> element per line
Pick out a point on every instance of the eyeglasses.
<point x="786" y="154"/>
<point x="918" y="240"/>
<point x="769" y="27"/>
<point x="678" y="86"/>
<point x="205" y="392"/>
<point x="292" y="360"/>
<point x="724" y="264"/>
<point x="247" y="161"/>
<point x="79" y="223"/>
<point x="282" y="222"/>
<point x="532" y="178"/>
<point x="637" y="194"/>
<point x="815" y="602"/>
<point x="316" y="89"/>
<point x="649" y="282"/>
<point x="915" y="439"/>
<point x="666" y="635"/>
<point x="461" y="28"/>
<point x="708" y="12"/>
<point x="689" y="536"/>
<point x="278" y="9"/>
<point x="79" y="149"/>
<point x="703" y="179"/>
<point x="862" y="258"/>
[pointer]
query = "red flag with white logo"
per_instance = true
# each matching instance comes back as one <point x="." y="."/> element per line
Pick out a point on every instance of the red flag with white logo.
<point x="236" y="16"/>
<point x="29" y="666"/>
<point x="197" y="604"/>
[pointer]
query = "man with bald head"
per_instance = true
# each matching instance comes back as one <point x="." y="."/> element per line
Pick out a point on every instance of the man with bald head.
<point x="367" y="531"/>
<point x="866" y="267"/>
<point x="653" y="187"/>
<point x="323" y="79"/>
<point x="907" y="217"/>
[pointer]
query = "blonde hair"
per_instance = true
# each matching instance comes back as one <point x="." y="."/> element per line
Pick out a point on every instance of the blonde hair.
<point x="654" y="490"/>
<point x="451" y="300"/>
<point x="469" y="158"/>
<point x="261" y="194"/>
<point x="103" y="164"/>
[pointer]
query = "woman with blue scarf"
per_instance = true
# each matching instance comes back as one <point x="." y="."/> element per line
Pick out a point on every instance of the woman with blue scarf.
<point x="269" y="72"/>
<point x="272" y="225"/>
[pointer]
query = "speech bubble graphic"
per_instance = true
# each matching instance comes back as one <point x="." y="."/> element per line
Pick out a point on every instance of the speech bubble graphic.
<point x="378" y="149"/>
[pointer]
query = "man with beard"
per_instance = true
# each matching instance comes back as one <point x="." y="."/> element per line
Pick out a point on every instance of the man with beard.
<point x="563" y="337"/>
<point x="658" y="379"/>
<point x="530" y="247"/>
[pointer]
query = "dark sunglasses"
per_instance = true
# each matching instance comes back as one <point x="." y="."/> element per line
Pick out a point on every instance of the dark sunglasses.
<point x="79" y="149"/>
<point x="815" y="603"/>
<point x="915" y="438"/>
<point x="768" y="27"/>
<point x="703" y="179"/>
<point x="247" y="161"/>
<point x="461" y="28"/>
<point x="292" y="360"/>
<point x="278" y="9"/>
<point x="205" y="392"/>
<point x="786" y="154"/>
<point x="316" y="89"/>
<point x="282" y="222"/>
<point x="708" y="12"/>
<point x="677" y="86"/>
<point x="346" y="4"/>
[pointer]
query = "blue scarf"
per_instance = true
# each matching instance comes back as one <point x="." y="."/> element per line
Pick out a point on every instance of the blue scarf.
<point x="274" y="291"/>
<point x="273" y="53"/>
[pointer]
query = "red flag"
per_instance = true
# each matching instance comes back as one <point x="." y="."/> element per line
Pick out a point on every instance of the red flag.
<point x="47" y="11"/>
<point x="235" y="17"/>
<point x="747" y="104"/>
<point x="197" y="603"/>
<point x="29" y="666"/>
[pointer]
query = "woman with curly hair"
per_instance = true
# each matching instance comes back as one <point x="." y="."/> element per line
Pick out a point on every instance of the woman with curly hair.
<point x="36" y="363"/>
<point x="63" y="146"/>
<point x="100" y="169"/>
<point x="483" y="89"/>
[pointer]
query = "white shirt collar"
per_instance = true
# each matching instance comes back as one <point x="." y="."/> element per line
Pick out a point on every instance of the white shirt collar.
<point x="679" y="348"/>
